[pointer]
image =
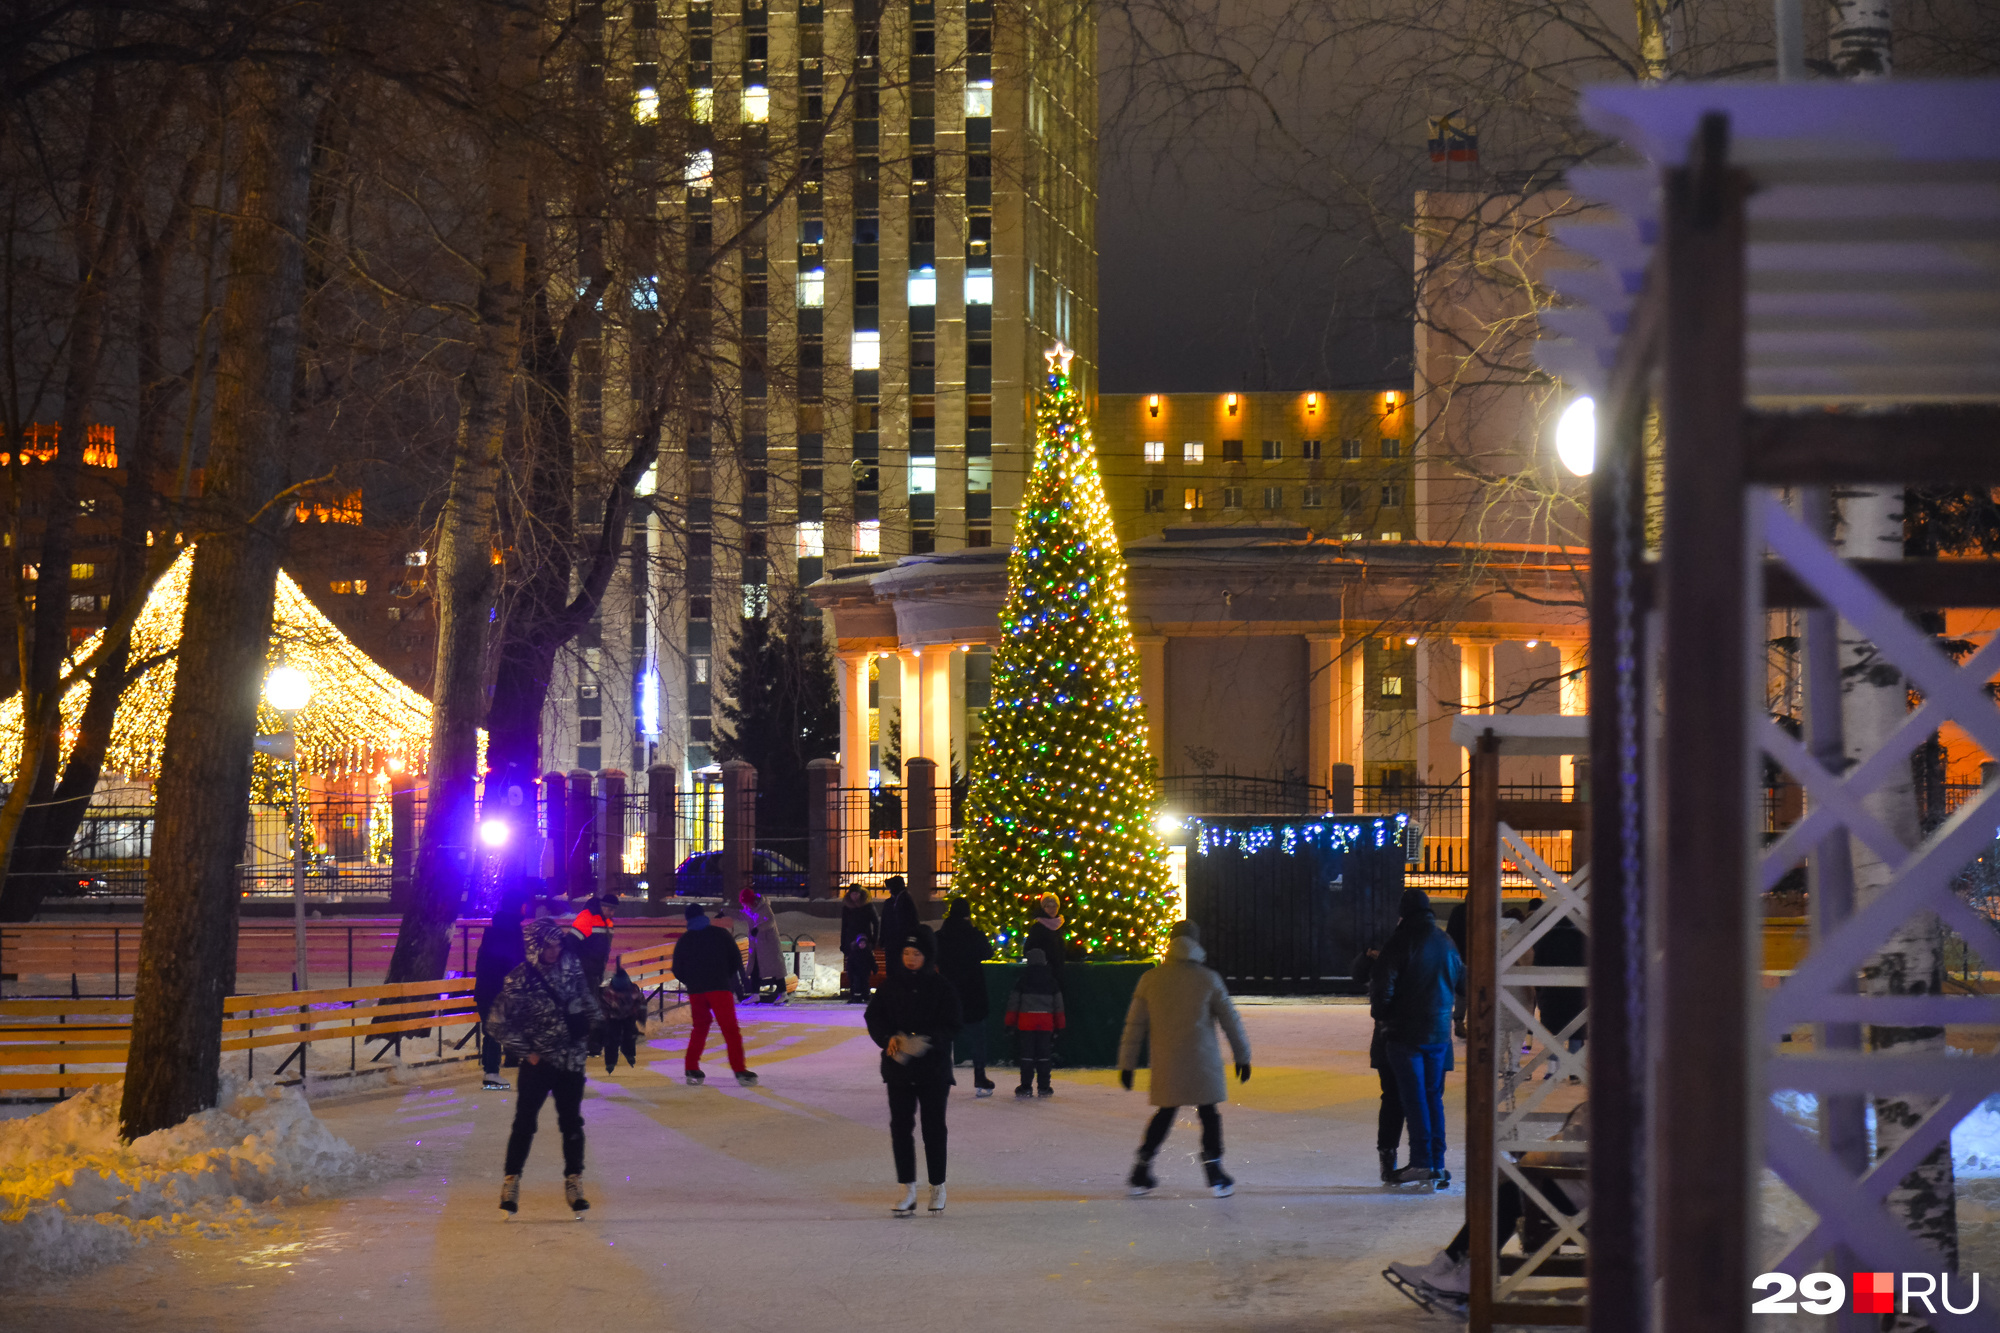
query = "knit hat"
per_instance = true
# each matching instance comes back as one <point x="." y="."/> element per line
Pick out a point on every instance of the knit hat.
<point x="1186" y="930"/>
<point x="542" y="932"/>
<point x="697" y="916"/>
<point x="895" y="884"/>
<point x="921" y="940"/>
<point x="1415" y="903"/>
<point x="960" y="910"/>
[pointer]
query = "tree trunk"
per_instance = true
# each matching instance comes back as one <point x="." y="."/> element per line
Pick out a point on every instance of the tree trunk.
<point x="464" y="573"/>
<point x="188" y="946"/>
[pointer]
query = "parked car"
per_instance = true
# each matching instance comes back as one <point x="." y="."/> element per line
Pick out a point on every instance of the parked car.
<point x="700" y="875"/>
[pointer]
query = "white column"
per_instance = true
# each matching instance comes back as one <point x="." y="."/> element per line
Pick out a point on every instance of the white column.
<point x="936" y="669"/>
<point x="1574" y="693"/>
<point x="1353" y="704"/>
<point x="1322" y="705"/>
<point x="853" y="676"/>
<point x="1475" y="684"/>
<point x="910" y="722"/>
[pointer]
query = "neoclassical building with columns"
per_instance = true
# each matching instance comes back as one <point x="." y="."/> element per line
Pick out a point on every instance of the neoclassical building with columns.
<point x="1266" y="651"/>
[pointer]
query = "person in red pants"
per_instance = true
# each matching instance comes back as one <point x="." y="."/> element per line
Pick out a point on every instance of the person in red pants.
<point x="709" y="968"/>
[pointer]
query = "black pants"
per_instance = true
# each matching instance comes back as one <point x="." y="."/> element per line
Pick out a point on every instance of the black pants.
<point x="860" y="967"/>
<point x="1035" y="1052"/>
<point x="536" y="1083"/>
<point x="1507" y="1210"/>
<point x="489" y="1049"/>
<point x="1389" y="1123"/>
<point x="905" y="1100"/>
<point x="1163" y="1120"/>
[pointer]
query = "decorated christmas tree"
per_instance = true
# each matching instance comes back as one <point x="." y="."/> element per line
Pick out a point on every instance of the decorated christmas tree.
<point x="1062" y="799"/>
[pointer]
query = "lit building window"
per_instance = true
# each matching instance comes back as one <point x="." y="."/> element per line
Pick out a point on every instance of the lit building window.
<point x="923" y="477"/>
<point x="646" y="293"/>
<point x="979" y="475"/>
<point x="360" y="587"/>
<point x="812" y="288"/>
<point x="868" y="537"/>
<point x="867" y="349"/>
<point x="1156" y="451"/>
<point x="979" y="99"/>
<point x="700" y="666"/>
<point x="645" y="105"/>
<point x="1191" y="498"/>
<point x="649" y="481"/>
<point x="979" y="286"/>
<point x="1191" y="451"/>
<point x="812" y="540"/>
<point x="1392" y="685"/>
<point x="923" y="286"/>
<point x="701" y="168"/>
<point x="756" y="104"/>
<point x="701" y="105"/>
<point x="1392" y="536"/>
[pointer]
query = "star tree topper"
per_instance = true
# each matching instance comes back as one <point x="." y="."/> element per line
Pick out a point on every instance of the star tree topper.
<point x="1059" y="358"/>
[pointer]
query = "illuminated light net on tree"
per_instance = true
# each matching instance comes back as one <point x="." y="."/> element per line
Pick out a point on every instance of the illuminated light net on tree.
<point x="359" y="715"/>
<point x="1062" y="799"/>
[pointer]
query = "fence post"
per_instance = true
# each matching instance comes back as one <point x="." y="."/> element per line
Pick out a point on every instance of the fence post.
<point x="822" y="827"/>
<point x="554" y="867"/>
<point x="582" y="825"/>
<point x="739" y="828"/>
<point x="1340" y="789"/>
<point x="611" y="830"/>
<point x="660" y="810"/>
<point x="920" y="826"/>
<point x="402" y="840"/>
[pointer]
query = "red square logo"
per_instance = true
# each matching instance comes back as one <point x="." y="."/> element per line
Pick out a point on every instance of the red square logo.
<point x="1874" y="1293"/>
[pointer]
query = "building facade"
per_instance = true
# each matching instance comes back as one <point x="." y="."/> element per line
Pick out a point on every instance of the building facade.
<point x="885" y="318"/>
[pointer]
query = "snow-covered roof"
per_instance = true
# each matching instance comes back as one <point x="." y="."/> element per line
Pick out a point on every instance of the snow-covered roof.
<point x="1873" y="236"/>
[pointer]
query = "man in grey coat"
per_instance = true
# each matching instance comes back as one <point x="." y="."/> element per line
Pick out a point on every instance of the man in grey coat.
<point x="1175" y="1011"/>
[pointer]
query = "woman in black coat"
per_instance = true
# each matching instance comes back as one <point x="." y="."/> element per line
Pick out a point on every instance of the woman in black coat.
<point x="859" y="929"/>
<point x="913" y="1019"/>
<point x="962" y="947"/>
<point x="500" y="952"/>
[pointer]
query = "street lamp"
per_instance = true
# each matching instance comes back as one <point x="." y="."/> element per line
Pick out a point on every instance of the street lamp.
<point x="288" y="690"/>
<point x="1576" y="436"/>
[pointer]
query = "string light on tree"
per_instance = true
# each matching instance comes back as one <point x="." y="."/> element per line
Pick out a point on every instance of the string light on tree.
<point x="1063" y="801"/>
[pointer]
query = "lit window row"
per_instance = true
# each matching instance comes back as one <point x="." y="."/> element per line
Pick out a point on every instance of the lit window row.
<point x="1273" y="451"/>
<point x="923" y="288"/>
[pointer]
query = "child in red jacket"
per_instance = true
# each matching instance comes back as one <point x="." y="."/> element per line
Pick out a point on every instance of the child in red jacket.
<point x="1035" y="1012"/>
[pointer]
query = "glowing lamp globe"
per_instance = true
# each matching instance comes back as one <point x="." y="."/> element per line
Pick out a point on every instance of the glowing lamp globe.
<point x="287" y="689"/>
<point x="1576" y="436"/>
<point x="494" y="832"/>
<point x="1167" y="824"/>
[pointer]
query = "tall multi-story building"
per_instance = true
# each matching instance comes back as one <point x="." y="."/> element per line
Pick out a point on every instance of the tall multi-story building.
<point x="887" y="318"/>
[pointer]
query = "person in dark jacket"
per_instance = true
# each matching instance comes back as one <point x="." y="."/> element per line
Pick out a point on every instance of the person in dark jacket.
<point x="593" y="930"/>
<point x="1454" y="927"/>
<point x="1412" y="990"/>
<point x="624" y="1018"/>
<point x="1389" y="1119"/>
<point x="1035" y="1012"/>
<point x="709" y="967"/>
<point x="859" y="930"/>
<point x="500" y="952"/>
<point x="900" y="920"/>
<point x="1045" y="932"/>
<point x="542" y="1015"/>
<point x="913" y="1019"/>
<point x="962" y="947"/>
<point x="1559" y="1006"/>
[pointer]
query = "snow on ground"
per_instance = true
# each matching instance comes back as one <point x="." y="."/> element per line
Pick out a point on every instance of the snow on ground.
<point x="1975" y="1140"/>
<point x="72" y="1196"/>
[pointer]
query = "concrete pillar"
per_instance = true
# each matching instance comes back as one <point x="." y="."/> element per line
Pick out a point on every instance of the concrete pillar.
<point x="937" y="708"/>
<point x="910" y="719"/>
<point x="554" y="867"/>
<point x="581" y="830"/>
<point x="1353" y="703"/>
<point x="1322" y="707"/>
<point x="610" y="830"/>
<point x="1153" y="690"/>
<point x="1340" y="789"/>
<point x="1475" y="682"/>
<point x="822" y="828"/>
<point x="402" y="840"/>
<point x="920" y="827"/>
<point x="661" y="808"/>
<point x="739" y="829"/>
<point x="852" y="673"/>
<point x="1574" y="693"/>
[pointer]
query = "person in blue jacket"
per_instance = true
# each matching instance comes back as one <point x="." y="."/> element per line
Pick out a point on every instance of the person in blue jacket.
<point x="1412" y="990"/>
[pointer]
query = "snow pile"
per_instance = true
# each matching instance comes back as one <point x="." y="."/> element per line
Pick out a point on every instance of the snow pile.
<point x="1975" y="1140"/>
<point x="72" y="1195"/>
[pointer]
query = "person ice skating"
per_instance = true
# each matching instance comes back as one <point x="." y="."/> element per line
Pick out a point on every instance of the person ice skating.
<point x="1035" y="1012"/>
<point x="1045" y="932"/>
<point x="1389" y="1119"/>
<point x="859" y="929"/>
<point x="593" y="927"/>
<point x="709" y="967"/>
<point x="767" y="953"/>
<point x="624" y="1019"/>
<point x="500" y="952"/>
<point x="1175" y="1011"/>
<point x="962" y="947"/>
<point x="542" y="1016"/>
<point x="1447" y="1279"/>
<point x="1412" y="990"/>
<point x="900" y="920"/>
<point x="913" y="1019"/>
<point x="1563" y="945"/>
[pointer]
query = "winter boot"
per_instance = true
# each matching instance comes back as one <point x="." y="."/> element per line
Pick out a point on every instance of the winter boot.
<point x="696" y="1078"/>
<point x="1142" y="1181"/>
<point x="909" y="1203"/>
<point x="1027" y="1089"/>
<point x="937" y="1199"/>
<point x="1388" y="1160"/>
<point x="573" y="1191"/>
<point x="1220" y="1183"/>
<point x="510" y="1194"/>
